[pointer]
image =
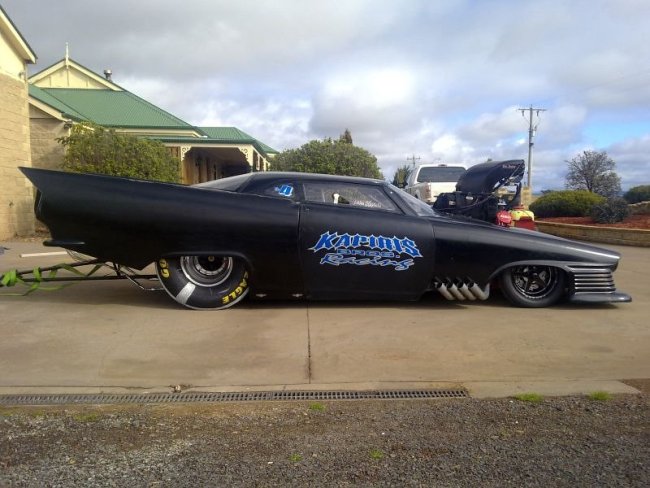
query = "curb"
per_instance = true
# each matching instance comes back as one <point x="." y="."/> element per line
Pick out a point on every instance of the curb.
<point x="608" y="235"/>
<point x="346" y="391"/>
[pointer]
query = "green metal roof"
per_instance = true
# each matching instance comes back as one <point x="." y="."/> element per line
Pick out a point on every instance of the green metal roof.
<point x="233" y="134"/>
<point x="108" y="108"/>
<point x="268" y="149"/>
<point x="226" y="133"/>
<point x="48" y="99"/>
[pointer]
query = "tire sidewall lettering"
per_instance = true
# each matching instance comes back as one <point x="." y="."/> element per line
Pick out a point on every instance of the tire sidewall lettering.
<point x="222" y="295"/>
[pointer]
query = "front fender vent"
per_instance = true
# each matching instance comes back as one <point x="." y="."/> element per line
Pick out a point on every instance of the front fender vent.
<point x="592" y="279"/>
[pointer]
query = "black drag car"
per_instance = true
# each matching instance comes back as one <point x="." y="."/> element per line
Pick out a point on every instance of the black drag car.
<point x="321" y="237"/>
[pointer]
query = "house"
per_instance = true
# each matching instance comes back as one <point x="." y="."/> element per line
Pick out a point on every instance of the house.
<point x="35" y="112"/>
<point x="16" y="198"/>
<point x="67" y="93"/>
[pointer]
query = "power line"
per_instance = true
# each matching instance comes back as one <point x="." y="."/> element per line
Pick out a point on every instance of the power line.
<point x="532" y="130"/>
<point x="413" y="159"/>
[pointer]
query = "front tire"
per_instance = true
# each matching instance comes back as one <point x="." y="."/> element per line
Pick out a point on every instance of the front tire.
<point x="533" y="286"/>
<point x="204" y="282"/>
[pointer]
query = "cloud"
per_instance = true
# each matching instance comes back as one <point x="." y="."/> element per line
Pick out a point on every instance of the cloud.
<point x="434" y="79"/>
<point x="280" y="125"/>
<point x="632" y="157"/>
<point x="366" y="101"/>
<point x="491" y="128"/>
<point x="561" y="125"/>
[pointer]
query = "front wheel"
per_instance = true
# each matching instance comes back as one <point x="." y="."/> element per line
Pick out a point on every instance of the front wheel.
<point x="533" y="286"/>
<point x="204" y="282"/>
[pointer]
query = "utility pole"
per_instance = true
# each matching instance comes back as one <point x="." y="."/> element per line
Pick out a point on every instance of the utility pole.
<point x="413" y="159"/>
<point x="532" y="130"/>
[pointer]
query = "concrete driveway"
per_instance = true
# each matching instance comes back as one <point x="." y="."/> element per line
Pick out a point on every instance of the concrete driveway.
<point x="111" y="336"/>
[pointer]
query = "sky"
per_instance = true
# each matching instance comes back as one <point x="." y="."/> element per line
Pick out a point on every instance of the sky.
<point x="438" y="80"/>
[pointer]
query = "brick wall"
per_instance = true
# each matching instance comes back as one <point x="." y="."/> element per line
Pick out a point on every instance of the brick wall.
<point x="607" y="235"/>
<point x="16" y="195"/>
<point x="46" y="151"/>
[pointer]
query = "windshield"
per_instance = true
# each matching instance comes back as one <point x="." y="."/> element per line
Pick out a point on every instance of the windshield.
<point x="418" y="206"/>
<point x="440" y="174"/>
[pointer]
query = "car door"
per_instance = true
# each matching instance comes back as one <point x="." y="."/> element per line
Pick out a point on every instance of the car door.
<point x="356" y="243"/>
<point x="273" y="250"/>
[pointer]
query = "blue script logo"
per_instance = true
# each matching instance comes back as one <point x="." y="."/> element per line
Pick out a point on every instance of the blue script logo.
<point x="364" y="250"/>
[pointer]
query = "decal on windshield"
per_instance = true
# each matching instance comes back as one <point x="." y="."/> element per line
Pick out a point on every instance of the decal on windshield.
<point x="363" y="250"/>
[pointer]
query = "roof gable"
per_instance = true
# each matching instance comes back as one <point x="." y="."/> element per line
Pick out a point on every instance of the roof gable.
<point x="67" y="73"/>
<point x="15" y="39"/>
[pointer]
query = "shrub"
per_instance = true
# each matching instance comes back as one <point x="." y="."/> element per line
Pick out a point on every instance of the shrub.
<point x="91" y="148"/>
<point x="613" y="210"/>
<point x="567" y="203"/>
<point x="638" y="194"/>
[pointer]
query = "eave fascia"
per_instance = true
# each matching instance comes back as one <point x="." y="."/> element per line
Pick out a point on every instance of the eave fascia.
<point x="225" y="144"/>
<point x="15" y="38"/>
<point x="51" y="111"/>
<point x="158" y="132"/>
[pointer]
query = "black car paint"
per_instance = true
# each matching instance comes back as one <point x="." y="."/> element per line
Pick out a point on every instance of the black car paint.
<point x="134" y="223"/>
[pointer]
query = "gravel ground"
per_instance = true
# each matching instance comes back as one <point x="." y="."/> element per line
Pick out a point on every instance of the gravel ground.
<point x="569" y="441"/>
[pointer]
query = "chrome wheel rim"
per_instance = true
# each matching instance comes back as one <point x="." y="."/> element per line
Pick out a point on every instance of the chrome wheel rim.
<point x="206" y="270"/>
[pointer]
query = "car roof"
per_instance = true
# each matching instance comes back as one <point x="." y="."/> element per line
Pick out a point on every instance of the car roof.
<point x="275" y="175"/>
<point x="436" y="165"/>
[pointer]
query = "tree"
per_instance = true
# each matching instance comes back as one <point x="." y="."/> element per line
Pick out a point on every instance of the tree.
<point x="329" y="157"/>
<point x="593" y="171"/>
<point x="401" y="175"/>
<point x="93" y="149"/>
<point x="638" y="194"/>
<point x="346" y="136"/>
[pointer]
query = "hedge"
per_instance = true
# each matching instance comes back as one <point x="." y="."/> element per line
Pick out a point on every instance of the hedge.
<point x="566" y="203"/>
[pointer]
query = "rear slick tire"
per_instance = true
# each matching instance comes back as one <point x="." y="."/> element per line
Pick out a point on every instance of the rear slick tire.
<point x="204" y="282"/>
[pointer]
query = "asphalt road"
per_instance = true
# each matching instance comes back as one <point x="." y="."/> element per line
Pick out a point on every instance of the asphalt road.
<point x="111" y="336"/>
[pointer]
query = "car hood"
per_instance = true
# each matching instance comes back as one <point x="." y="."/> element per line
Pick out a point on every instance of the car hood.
<point x="520" y="244"/>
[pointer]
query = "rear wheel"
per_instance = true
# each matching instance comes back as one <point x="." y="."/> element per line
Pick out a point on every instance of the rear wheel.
<point x="204" y="282"/>
<point x="533" y="286"/>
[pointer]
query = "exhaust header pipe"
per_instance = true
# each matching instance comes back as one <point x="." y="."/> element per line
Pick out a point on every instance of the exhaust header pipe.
<point x="461" y="289"/>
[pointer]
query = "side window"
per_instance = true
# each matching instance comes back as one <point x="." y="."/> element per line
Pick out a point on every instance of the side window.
<point x="280" y="189"/>
<point x="348" y="194"/>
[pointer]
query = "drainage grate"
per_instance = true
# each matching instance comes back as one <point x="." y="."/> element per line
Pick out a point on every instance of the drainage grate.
<point x="213" y="397"/>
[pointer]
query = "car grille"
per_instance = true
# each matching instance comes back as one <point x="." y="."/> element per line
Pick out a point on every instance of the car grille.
<point x="592" y="280"/>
